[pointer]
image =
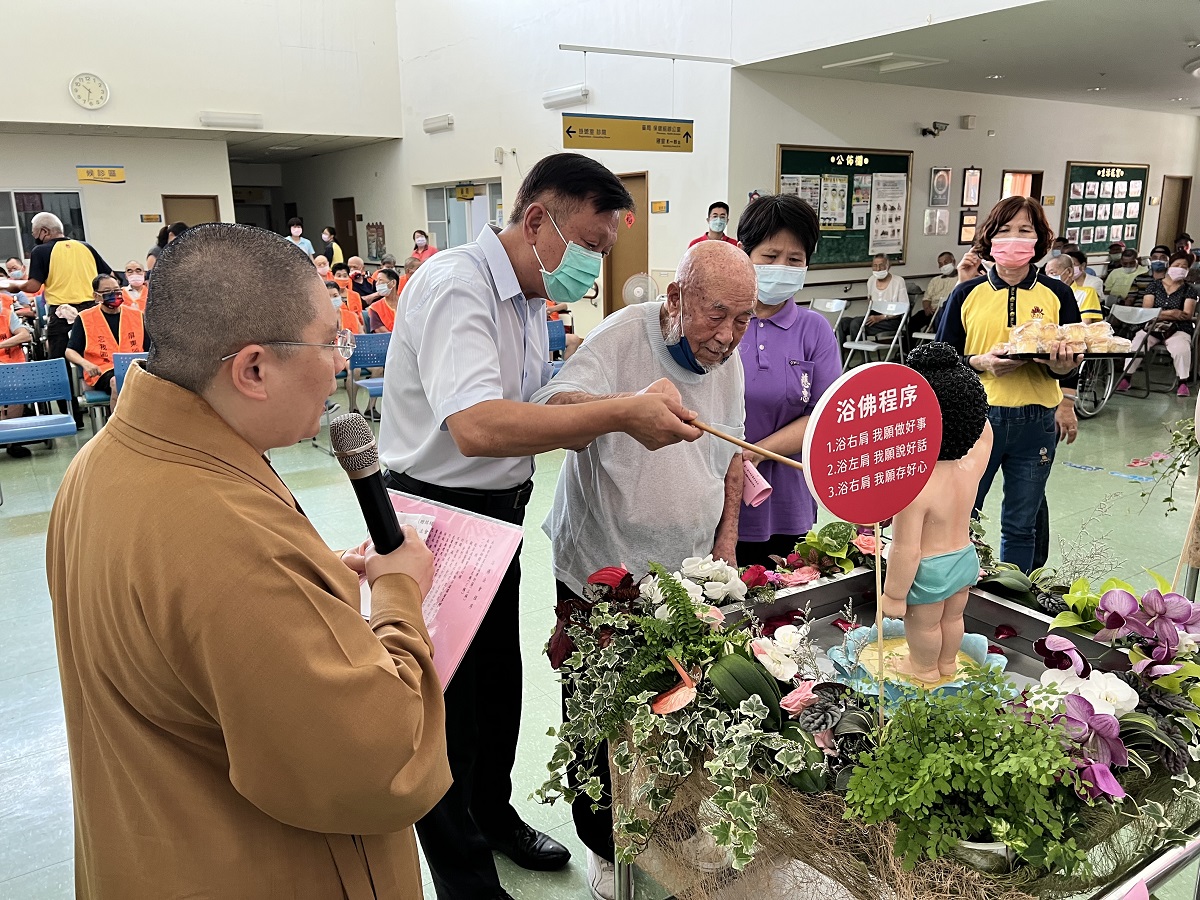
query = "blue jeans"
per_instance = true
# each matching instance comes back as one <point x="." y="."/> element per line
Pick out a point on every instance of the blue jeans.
<point x="1023" y="444"/>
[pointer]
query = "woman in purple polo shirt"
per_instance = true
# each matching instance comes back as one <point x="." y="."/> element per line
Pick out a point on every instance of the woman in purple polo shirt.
<point x="790" y="357"/>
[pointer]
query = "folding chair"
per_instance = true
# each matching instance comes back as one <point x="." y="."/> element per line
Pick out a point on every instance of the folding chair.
<point x="831" y="307"/>
<point x="121" y="364"/>
<point x="868" y="347"/>
<point x="1137" y="318"/>
<point x="35" y="382"/>
<point x="94" y="403"/>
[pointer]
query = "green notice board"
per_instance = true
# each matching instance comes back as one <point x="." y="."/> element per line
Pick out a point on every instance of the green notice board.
<point x="861" y="197"/>
<point x="1105" y="202"/>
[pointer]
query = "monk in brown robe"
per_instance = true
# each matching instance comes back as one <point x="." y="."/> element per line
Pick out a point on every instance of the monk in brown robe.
<point x="236" y="729"/>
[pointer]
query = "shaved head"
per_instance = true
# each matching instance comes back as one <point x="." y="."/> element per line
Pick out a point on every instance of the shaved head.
<point x="711" y="300"/>
<point x="219" y="287"/>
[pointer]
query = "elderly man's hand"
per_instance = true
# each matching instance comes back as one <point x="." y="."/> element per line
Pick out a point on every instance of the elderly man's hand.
<point x="656" y="419"/>
<point x="666" y="387"/>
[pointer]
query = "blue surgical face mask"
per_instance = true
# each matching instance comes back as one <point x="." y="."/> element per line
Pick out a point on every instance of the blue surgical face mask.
<point x="1056" y="252"/>
<point x="681" y="349"/>
<point x="1157" y="265"/>
<point x="778" y="284"/>
<point x="717" y="224"/>
<point x="575" y="275"/>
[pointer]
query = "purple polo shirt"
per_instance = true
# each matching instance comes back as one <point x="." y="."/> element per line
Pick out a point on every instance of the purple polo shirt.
<point x="790" y="360"/>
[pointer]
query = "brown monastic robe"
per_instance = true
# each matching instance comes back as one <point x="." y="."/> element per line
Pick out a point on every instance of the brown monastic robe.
<point x="236" y="730"/>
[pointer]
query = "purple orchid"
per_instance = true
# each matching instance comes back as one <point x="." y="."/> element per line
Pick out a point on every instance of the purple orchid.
<point x="1165" y="615"/>
<point x="1059" y="653"/>
<point x="1098" y="746"/>
<point x="1160" y="662"/>
<point x="1117" y="612"/>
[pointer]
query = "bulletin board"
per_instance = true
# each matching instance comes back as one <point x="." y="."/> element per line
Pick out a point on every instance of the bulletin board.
<point x="1105" y="202"/>
<point x="861" y="197"/>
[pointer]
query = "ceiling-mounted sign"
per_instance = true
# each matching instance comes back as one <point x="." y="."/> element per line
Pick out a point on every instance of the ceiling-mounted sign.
<point x="464" y="192"/>
<point x="100" y="174"/>
<point x="581" y="132"/>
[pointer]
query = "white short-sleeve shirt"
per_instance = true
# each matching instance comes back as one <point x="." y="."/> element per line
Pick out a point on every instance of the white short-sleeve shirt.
<point x="618" y="503"/>
<point x="464" y="334"/>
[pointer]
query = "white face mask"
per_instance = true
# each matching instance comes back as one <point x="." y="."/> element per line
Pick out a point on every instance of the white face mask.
<point x="717" y="224"/>
<point x="421" y="242"/>
<point x="879" y="276"/>
<point x="778" y="284"/>
<point x="136" y="280"/>
<point x="324" y="270"/>
<point x="1178" y="273"/>
<point x="383" y="287"/>
<point x="948" y="269"/>
<point x="326" y="238"/>
<point x="296" y="232"/>
<point x="337" y="302"/>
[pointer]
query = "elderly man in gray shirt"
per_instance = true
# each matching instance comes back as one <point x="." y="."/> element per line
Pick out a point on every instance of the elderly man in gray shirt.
<point x="617" y="504"/>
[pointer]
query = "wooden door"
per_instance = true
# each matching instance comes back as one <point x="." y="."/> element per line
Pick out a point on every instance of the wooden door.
<point x="190" y="209"/>
<point x="345" y="221"/>
<point x="1173" y="209"/>
<point x="631" y="254"/>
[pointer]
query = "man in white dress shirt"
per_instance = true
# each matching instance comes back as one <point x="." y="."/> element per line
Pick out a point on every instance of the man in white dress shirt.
<point x="469" y="350"/>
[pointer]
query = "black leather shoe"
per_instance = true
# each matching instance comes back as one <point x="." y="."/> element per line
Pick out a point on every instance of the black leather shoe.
<point x="530" y="849"/>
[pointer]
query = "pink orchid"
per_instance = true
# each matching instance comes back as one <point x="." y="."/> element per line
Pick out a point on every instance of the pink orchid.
<point x="1117" y="612"/>
<point x="1059" y="653"/>
<point x="800" y="699"/>
<point x="866" y="543"/>
<point x="802" y="575"/>
<point x="1165" y="615"/>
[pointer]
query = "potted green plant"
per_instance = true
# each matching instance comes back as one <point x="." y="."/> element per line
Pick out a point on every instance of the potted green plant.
<point x="972" y="768"/>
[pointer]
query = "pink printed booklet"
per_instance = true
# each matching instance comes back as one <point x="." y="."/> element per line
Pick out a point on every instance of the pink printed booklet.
<point x="471" y="553"/>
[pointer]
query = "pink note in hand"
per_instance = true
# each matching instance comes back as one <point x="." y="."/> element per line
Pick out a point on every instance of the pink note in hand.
<point x="755" y="489"/>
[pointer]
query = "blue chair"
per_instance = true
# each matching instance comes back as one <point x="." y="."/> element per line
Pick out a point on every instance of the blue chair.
<point x="35" y="382"/>
<point x="370" y="352"/>
<point x="558" y="335"/>
<point x="121" y="364"/>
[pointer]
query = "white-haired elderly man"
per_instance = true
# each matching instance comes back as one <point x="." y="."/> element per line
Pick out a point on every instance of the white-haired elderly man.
<point x="616" y="503"/>
<point x="65" y="268"/>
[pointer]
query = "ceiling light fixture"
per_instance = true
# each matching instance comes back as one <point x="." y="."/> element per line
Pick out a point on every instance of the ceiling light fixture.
<point x="994" y="77"/>
<point x="1097" y="89"/>
<point x="1179" y="99"/>
<point x="213" y="119"/>
<point x="1192" y="68"/>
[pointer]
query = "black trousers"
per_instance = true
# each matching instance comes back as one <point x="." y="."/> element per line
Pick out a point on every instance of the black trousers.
<point x="759" y="553"/>
<point x="594" y="827"/>
<point x="58" y="335"/>
<point x="483" y="718"/>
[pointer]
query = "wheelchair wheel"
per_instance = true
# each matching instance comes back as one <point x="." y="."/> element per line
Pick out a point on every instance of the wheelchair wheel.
<point x="1096" y="379"/>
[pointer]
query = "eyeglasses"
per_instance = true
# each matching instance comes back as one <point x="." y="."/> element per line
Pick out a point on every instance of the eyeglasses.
<point x="343" y="344"/>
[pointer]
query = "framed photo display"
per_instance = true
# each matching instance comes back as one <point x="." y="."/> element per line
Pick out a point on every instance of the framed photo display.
<point x="939" y="186"/>
<point x="971" y="179"/>
<point x="967" y="220"/>
<point x="1103" y="204"/>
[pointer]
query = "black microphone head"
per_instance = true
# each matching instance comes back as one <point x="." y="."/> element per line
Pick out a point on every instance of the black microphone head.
<point x="354" y="444"/>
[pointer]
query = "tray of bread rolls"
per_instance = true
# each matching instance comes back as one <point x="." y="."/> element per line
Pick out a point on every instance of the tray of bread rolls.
<point x="1036" y="338"/>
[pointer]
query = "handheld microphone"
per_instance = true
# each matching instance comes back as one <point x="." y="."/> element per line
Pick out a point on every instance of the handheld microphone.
<point x="354" y="447"/>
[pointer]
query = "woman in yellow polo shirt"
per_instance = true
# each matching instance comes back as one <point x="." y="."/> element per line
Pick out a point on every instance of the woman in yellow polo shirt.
<point x="1029" y="409"/>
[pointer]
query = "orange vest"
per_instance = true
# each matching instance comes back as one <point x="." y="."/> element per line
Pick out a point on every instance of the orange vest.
<point x="138" y="301"/>
<point x="354" y="301"/>
<point x="351" y="320"/>
<point x="8" y="354"/>
<point x="385" y="314"/>
<point x="100" y="345"/>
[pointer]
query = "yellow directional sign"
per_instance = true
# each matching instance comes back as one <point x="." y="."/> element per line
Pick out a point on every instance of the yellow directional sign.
<point x="582" y="132"/>
<point x="100" y="174"/>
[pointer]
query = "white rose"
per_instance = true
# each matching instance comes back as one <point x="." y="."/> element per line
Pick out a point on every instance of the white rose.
<point x="789" y="638"/>
<point x="773" y="659"/>
<point x="719" y="590"/>
<point x="701" y="568"/>
<point x="650" y="590"/>
<point x="1108" y="694"/>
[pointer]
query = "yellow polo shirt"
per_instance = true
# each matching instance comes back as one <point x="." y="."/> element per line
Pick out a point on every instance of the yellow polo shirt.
<point x="980" y="314"/>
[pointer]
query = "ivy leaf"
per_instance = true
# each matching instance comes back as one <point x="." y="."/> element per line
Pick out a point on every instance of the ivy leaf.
<point x="1066" y="619"/>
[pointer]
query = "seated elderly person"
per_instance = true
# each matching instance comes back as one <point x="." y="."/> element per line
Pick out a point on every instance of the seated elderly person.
<point x="617" y="504"/>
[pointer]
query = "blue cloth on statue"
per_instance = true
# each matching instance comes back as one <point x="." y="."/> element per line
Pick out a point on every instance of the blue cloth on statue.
<point x="942" y="576"/>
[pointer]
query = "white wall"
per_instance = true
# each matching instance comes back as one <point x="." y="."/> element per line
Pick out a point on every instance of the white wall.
<point x="153" y="167"/>
<point x="489" y="64"/>
<point x="164" y="63"/>
<point x="371" y="175"/>
<point x="770" y="108"/>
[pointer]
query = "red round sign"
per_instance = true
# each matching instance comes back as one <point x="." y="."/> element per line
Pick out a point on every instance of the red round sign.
<point x="872" y="441"/>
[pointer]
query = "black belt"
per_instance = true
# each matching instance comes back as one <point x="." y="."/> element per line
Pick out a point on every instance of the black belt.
<point x="470" y="498"/>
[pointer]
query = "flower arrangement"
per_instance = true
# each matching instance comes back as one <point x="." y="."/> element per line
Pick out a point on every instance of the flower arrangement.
<point x="682" y="697"/>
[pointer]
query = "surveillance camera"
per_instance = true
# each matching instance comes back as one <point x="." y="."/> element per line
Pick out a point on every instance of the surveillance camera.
<point x="940" y="126"/>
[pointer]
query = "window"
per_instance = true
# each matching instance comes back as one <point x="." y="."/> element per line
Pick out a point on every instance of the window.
<point x="451" y="221"/>
<point x="17" y="209"/>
